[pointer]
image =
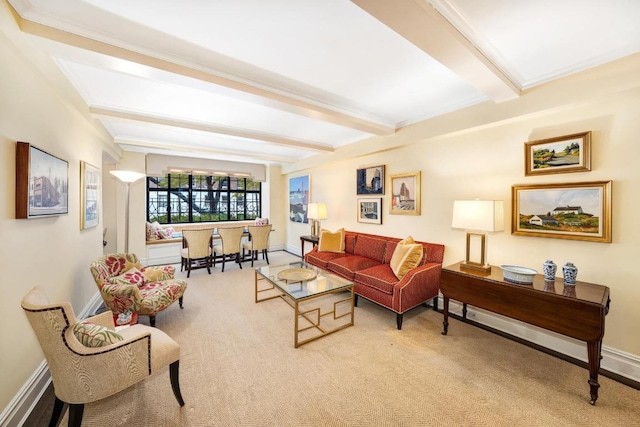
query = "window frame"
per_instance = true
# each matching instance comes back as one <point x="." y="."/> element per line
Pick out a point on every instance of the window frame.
<point x="188" y="189"/>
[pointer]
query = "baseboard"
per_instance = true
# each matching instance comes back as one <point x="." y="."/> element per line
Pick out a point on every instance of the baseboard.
<point x="16" y="413"/>
<point x="294" y="249"/>
<point x="620" y="363"/>
<point x="20" y="407"/>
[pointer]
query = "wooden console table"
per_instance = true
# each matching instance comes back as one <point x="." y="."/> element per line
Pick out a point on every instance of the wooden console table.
<point x="575" y="311"/>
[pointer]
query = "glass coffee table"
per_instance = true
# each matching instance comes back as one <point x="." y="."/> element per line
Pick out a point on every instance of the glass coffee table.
<point x="314" y="294"/>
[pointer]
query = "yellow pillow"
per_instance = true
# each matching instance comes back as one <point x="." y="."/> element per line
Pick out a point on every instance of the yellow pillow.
<point x="331" y="242"/>
<point x="405" y="257"/>
<point x="408" y="241"/>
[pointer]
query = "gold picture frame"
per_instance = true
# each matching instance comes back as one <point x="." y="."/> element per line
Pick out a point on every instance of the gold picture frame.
<point x="576" y="211"/>
<point x="89" y="195"/>
<point x="405" y="194"/>
<point x="562" y="154"/>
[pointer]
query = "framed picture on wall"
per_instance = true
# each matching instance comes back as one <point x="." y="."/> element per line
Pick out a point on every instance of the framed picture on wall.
<point x="570" y="153"/>
<point x="370" y="180"/>
<point x="369" y="210"/>
<point x="577" y="211"/>
<point x="89" y="192"/>
<point x="42" y="183"/>
<point x="405" y="194"/>
<point x="299" y="196"/>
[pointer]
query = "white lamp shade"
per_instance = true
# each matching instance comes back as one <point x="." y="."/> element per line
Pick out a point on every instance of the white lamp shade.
<point x="127" y="176"/>
<point x="317" y="211"/>
<point x="478" y="215"/>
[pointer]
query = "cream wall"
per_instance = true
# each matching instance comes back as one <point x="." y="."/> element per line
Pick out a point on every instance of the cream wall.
<point x="484" y="162"/>
<point x="49" y="252"/>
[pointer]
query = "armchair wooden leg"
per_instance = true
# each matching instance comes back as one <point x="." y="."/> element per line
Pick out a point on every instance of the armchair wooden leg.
<point x="75" y="414"/>
<point x="174" y="369"/>
<point x="238" y="259"/>
<point x="180" y="301"/>
<point x="399" y="320"/>
<point x="265" y="255"/>
<point x="355" y="300"/>
<point x="152" y="321"/>
<point x="58" y="410"/>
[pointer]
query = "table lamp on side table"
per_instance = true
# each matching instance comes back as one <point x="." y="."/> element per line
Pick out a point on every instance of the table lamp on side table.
<point x="478" y="217"/>
<point x="316" y="212"/>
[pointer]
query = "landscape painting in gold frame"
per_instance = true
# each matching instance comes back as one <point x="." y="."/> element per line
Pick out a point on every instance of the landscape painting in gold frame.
<point x="577" y="211"/>
<point x="405" y="194"/>
<point x="562" y="154"/>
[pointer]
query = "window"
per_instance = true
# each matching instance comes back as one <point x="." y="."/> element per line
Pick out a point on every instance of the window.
<point x="179" y="198"/>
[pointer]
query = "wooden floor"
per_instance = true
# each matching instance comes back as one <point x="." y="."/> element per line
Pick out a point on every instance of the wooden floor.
<point x="41" y="414"/>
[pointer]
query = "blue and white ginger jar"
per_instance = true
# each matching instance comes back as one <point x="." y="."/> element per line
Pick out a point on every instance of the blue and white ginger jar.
<point x="570" y="273"/>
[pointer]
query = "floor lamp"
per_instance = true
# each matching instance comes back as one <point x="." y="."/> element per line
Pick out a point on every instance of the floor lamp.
<point x="128" y="177"/>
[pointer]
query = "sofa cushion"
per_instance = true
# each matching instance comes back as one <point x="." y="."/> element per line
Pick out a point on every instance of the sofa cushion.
<point x="350" y="242"/>
<point x="331" y="242"/>
<point x="433" y="252"/>
<point x="321" y="259"/>
<point x="405" y="257"/>
<point x="347" y="266"/>
<point x="92" y="335"/>
<point x="371" y="247"/>
<point x="380" y="277"/>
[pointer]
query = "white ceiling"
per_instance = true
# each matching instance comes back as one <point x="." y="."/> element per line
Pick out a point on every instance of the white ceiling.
<point x="278" y="81"/>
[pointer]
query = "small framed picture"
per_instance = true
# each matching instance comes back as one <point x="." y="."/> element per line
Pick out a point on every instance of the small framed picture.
<point x="370" y="210"/>
<point x="89" y="192"/>
<point x="577" y="211"/>
<point x="405" y="194"/>
<point x="370" y="180"/>
<point x="299" y="196"/>
<point x="570" y="153"/>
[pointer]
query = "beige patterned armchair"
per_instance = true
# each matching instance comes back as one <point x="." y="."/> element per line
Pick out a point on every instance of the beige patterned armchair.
<point x="127" y="286"/>
<point x="87" y="372"/>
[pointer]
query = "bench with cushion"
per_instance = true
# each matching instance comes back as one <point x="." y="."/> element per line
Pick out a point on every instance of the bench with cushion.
<point x="396" y="279"/>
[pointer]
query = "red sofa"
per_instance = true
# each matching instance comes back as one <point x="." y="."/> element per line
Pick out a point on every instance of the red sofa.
<point x="365" y="262"/>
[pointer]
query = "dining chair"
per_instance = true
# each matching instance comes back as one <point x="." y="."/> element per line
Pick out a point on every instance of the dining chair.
<point x="258" y="241"/>
<point x="196" y="249"/>
<point x="229" y="249"/>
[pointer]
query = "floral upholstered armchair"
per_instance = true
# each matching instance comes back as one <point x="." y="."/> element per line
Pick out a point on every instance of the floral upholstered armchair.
<point x="127" y="286"/>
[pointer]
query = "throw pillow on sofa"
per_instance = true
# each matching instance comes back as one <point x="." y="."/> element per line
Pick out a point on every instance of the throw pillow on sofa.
<point x="92" y="335"/>
<point x="331" y="242"/>
<point x="406" y="256"/>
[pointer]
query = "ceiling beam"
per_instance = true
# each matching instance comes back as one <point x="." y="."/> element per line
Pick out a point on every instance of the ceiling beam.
<point x="421" y="24"/>
<point x="161" y="146"/>
<point x="112" y="113"/>
<point x="276" y="100"/>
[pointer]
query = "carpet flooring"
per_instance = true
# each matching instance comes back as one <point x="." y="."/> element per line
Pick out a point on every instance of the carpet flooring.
<point x="239" y="367"/>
